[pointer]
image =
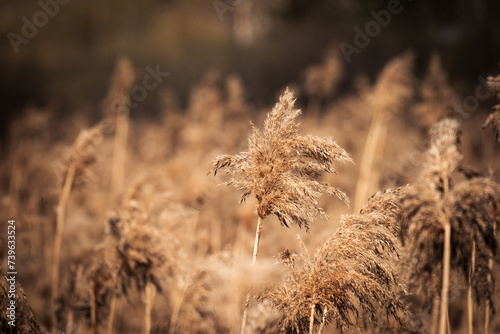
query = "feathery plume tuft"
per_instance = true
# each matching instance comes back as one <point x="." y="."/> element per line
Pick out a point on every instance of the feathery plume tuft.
<point x="443" y="154"/>
<point x="389" y="96"/>
<point x="322" y="80"/>
<point x="494" y="118"/>
<point x="24" y="320"/>
<point x="351" y="274"/>
<point x="83" y="155"/>
<point x="117" y="99"/>
<point x="436" y="94"/>
<point x="281" y="167"/>
<point x="394" y="87"/>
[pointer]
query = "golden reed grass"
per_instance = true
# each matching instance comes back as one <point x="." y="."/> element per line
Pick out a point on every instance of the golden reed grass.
<point x="321" y="80"/>
<point x="281" y="168"/>
<point x="116" y="110"/>
<point x="391" y="93"/>
<point x="132" y="255"/>
<point x="493" y="119"/>
<point x="25" y="320"/>
<point x="449" y="226"/>
<point x="76" y="168"/>
<point x="353" y="281"/>
<point x="435" y="94"/>
<point x="349" y="277"/>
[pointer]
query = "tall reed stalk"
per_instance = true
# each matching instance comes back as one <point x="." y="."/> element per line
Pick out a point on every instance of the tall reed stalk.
<point x="149" y="292"/>
<point x="116" y="108"/>
<point x="112" y="314"/>
<point x="81" y="157"/>
<point x="93" y="308"/>
<point x="70" y="321"/>
<point x="323" y="320"/>
<point x="119" y="154"/>
<point x="389" y="96"/>
<point x="470" y="313"/>
<point x="458" y="216"/>
<point x="488" y="305"/>
<point x="56" y="259"/>
<point x="493" y="120"/>
<point x="258" y="232"/>
<point x="377" y="129"/>
<point x="435" y="315"/>
<point x="282" y="168"/>
<point x="446" y="278"/>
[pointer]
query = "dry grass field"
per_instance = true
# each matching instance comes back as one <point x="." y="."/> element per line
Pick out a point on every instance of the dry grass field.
<point x="121" y="226"/>
<point x="353" y="203"/>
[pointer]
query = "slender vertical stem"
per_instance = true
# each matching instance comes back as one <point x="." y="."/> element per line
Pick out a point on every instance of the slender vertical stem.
<point x="487" y="318"/>
<point x="323" y="320"/>
<point x="93" y="311"/>
<point x="148" y="305"/>
<point x="119" y="154"/>
<point x="435" y="315"/>
<point x="177" y="306"/>
<point x="469" y="289"/>
<point x="487" y="308"/>
<point x="311" y="318"/>
<point x="446" y="263"/>
<point x="446" y="278"/>
<point x="369" y="151"/>
<point x="258" y="232"/>
<point x="69" y="323"/>
<point x="112" y="313"/>
<point x="56" y="256"/>
<point x="448" y="327"/>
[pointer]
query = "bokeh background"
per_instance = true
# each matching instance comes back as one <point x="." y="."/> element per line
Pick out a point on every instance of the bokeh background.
<point x="268" y="43"/>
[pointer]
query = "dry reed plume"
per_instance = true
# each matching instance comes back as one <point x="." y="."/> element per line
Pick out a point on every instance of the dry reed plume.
<point x="493" y="119"/>
<point x="321" y="80"/>
<point x="116" y="110"/>
<point x="436" y="94"/>
<point x="132" y="254"/>
<point x="281" y="169"/>
<point x="352" y="275"/>
<point x="447" y="226"/>
<point x="24" y="321"/>
<point x="75" y="171"/>
<point x="389" y="96"/>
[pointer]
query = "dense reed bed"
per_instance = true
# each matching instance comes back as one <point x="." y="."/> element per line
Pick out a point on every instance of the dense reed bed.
<point x="122" y="228"/>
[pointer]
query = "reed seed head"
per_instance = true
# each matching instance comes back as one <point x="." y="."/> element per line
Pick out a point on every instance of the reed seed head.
<point x="83" y="154"/>
<point x="282" y="167"/>
<point x="470" y="207"/>
<point x="350" y="276"/>
<point x="394" y="87"/>
<point x="493" y="119"/>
